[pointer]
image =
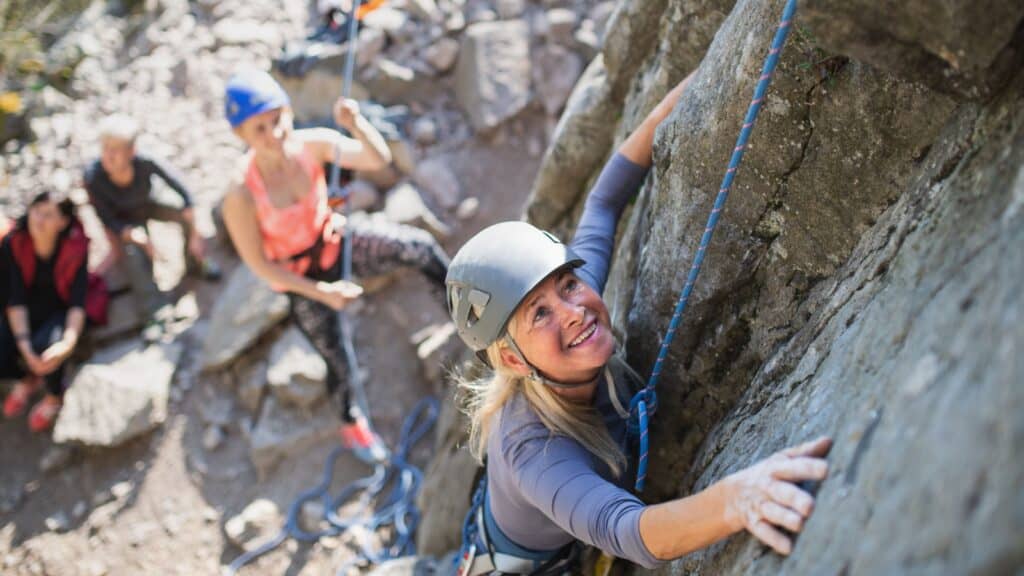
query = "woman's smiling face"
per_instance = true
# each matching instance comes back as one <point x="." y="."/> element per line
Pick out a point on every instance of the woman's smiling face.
<point x="563" y="329"/>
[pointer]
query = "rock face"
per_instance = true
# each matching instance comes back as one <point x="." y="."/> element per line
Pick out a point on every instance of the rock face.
<point x="493" y="72"/>
<point x="245" y="310"/>
<point x="119" y="394"/>
<point x="860" y="283"/>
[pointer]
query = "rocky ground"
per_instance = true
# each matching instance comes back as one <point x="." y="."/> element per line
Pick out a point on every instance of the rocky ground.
<point x="159" y="448"/>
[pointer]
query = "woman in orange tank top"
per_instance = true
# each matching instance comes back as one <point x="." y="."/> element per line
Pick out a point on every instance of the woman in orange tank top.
<point x="277" y="215"/>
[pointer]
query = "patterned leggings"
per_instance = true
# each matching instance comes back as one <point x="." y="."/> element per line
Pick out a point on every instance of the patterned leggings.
<point x="378" y="247"/>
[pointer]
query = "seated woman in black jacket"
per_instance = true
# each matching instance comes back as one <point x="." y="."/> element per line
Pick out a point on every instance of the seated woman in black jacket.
<point x="45" y="264"/>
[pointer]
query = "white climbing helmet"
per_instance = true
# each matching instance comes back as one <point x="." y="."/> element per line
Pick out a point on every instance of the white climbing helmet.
<point x="494" y="271"/>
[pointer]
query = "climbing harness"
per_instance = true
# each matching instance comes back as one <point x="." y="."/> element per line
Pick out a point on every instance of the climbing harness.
<point x="646" y="402"/>
<point x="486" y="550"/>
<point x="394" y="508"/>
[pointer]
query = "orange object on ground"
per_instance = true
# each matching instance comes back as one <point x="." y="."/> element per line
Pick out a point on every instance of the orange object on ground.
<point x="16" y="401"/>
<point x="368" y="7"/>
<point x="44" y="413"/>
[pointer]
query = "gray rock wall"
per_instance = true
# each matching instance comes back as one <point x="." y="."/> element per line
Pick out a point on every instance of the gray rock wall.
<point x="858" y="284"/>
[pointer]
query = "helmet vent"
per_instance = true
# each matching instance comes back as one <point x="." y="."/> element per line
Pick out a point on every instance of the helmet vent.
<point x="478" y="300"/>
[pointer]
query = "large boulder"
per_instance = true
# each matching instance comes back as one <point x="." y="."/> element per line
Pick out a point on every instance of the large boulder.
<point x="245" y="310"/>
<point x="119" y="394"/>
<point x="493" y="72"/>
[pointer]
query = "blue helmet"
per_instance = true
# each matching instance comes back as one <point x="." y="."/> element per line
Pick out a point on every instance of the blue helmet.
<point x="250" y="92"/>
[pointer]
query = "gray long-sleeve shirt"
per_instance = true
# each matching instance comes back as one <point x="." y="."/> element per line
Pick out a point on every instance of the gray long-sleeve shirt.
<point x="120" y="206"/>
<point x="546" y="490"/>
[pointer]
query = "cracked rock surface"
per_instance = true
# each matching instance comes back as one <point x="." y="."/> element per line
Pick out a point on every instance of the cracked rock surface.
<point x="861" y="282"/>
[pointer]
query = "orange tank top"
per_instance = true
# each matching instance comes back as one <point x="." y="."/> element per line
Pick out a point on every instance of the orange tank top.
<point x="294" y="229"/>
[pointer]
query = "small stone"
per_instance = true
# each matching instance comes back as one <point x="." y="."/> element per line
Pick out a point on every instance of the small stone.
<point x="245" y="32"/>
<point x="508" y="9"/>
<point x="56" y="458"/>
<point x="404" y="205"/>
<point x="385" y="19"/>
<point x="210" y="515"/>
<point x="561" y="23"/>
<point x="424" y="131"/>
<point x="425" y="10"/>
<point x="437" y="346"/>
<point x="389" y="80"/>
<point x="441" y="55"/>
<point x="80" y="509"/>
<point x="482" y="14"/>
<point x="121" y="489"/>
<point x="257" y="521"/>
<point x="435" y="177"/>
<point x="586" y="38"/>
<point x="213" y="437"/>
<point x="468" y="208"/>
<point x="455" y="22"/>
<point x="59" y="522"/>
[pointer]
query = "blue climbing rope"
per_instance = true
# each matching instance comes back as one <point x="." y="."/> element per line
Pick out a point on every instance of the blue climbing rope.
<point x="378" y="508"/>
<point x="645" y="402"/>
<point x="335" y="190"/>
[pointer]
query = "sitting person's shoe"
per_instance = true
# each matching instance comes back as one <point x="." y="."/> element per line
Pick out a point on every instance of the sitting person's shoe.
<point x="17" y="400"/>
<point x="363" y="442"/>
<point x="44" y="413"/>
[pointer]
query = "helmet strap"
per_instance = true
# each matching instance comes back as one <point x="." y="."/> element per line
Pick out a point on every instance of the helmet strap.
<point x="535" y="374"/>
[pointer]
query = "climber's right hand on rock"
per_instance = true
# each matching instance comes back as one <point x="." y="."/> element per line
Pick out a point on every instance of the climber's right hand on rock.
<point x="338" y="294"/>
<point x="764" y="498"/>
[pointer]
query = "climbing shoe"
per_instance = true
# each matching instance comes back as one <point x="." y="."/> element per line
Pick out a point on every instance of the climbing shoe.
<point x="43" y="414"/>
<point x="363" y="442"/>
<point x="17" y="400"/>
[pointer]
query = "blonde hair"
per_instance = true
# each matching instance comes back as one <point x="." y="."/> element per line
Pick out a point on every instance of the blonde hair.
<point x="485" y="397"/>
<point x="119" y="127"/>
